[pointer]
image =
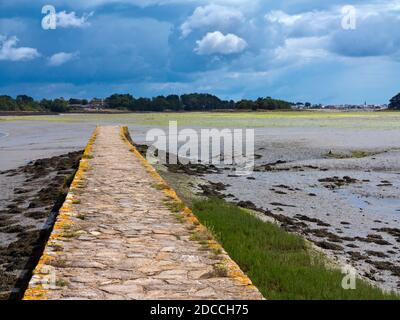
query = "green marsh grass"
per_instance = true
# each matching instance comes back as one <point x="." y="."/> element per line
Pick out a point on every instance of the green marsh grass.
<point x="360" y="120"/>
<point x="281" y="265"/>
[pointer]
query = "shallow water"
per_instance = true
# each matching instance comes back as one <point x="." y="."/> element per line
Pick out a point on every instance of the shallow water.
<point x="28" y="141"/>
<point x="377" y="205"/>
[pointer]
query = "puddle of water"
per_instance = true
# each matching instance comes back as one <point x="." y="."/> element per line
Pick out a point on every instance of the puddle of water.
<point x="380" y="206"/>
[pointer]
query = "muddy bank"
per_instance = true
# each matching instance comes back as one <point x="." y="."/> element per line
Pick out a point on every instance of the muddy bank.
<point x="193" y="169"/>
<point x="30" y="199"/>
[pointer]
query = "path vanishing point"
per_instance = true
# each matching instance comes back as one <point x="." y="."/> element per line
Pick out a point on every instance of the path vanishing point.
<point x="123" y="233"/>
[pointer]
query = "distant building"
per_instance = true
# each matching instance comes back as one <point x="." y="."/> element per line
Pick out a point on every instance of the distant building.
<point x="96" y="104"/>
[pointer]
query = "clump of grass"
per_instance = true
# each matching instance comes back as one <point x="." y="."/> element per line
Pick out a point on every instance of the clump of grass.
<point x="360" y="154"/>
<point x="180" y="217"/>
<point x="201" y="236"/>
<point x="217" y="251"/>
<point x="70" y="234"/>
<point x="58" y="263"/>
<point x="87" y="156"/>
<point x="220" y="270"/>
<point x="76" y="202"/>
<point x="61" y="283"/>
<point x="175" y="206"/>
<point x="356" y="154"/>
<point x="160" y="186"/>
<point x="280" y="264"/>
<point x="81" y="217"/>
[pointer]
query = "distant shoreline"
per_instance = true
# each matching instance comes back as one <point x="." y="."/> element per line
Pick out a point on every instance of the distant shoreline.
<point x="113" y="112"/>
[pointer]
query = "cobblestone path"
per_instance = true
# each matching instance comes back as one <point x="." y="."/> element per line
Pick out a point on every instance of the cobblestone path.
<point x="118" y="237"/>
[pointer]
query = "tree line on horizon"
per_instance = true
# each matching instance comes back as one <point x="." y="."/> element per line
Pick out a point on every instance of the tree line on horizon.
<point x="395" y="102"/>
<point x="26" y="103"/>
<point x="185" y="102"/>
<point x="191" y="102"/>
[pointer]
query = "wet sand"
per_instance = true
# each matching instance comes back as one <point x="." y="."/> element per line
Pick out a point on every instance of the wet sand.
<point x="27" y="141"/>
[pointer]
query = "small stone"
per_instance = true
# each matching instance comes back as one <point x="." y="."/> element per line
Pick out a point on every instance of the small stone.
<point x="135" y="255"/>
<point x="173" y="274"/>
<point x="205" y="293"/>
<point x="168" y="249"/>
<point x="85" y="264"/>
<point x="133" y="290"/>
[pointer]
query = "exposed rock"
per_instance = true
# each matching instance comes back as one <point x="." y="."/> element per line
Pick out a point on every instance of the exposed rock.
<point x="329" y="246"/>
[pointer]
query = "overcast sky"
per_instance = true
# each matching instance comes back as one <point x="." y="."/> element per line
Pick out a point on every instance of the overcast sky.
<point x="296" y="50"/>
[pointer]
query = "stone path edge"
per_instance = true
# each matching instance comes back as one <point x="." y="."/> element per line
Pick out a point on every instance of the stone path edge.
<point x="233" y="270"/>
<point x="41" y="275"/>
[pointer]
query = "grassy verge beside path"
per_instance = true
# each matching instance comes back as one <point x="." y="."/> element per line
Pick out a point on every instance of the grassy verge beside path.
<point x="281" y="265"/>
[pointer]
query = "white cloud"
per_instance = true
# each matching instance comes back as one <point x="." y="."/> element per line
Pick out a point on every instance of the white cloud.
<point x="10" y="51"/>
<point x="211" y="16"/>
<point x="301" y="49"/>
<point x="60" y="58"/>
<point x="373" y="36"/>
<point x="217" y="42"/>
<point x="282" y="17"/>
<point x="71" y="20"/>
